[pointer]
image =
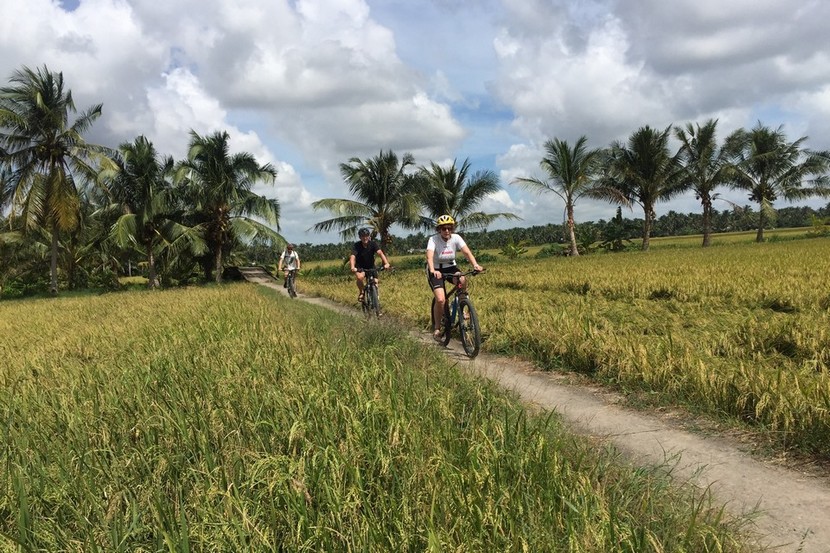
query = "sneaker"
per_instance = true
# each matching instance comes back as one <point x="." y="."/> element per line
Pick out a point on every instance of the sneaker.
<point x="360" y="298"/>
<point x="438" y="336"/>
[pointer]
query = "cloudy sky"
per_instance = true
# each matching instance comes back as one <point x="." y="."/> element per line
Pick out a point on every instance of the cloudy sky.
<point x="308" y="84"/>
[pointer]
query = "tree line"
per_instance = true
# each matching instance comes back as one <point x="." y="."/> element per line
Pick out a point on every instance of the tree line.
<point x="734" y="219"/>
<point x="86" y="214"/>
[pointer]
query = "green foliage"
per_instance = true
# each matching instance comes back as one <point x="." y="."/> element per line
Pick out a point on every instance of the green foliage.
<point x="411" y="262"/>
<point x="513" y="250"/>
<point x="25" y="287"/>
<point x="457" y="192"/>
<point x="385" y="195"/>
<point x="615" y="235"/>
<point x="50" y="157"/>
<point x="485" y="257"/>
<point x="552" y="250"/>
<point x="820" y="226"/>
<point x="586" y="238"/>
<point x="325" y="270"/>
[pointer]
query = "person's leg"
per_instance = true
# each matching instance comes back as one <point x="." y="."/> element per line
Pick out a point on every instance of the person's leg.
<point x="438" y="311"/>
<point x="360" y="278"/>
<point x="460" y="281"/>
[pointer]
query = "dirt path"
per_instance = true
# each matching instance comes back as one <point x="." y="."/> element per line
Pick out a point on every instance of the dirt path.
<point x="793" y="509"/>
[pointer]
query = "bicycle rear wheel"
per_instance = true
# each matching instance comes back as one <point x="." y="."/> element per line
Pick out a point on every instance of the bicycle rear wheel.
<point x="446" y="323"/>
<point x="468" y="328"/>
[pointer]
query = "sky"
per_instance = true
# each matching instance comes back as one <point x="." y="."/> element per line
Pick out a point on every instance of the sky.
<point x="306" y="85"/>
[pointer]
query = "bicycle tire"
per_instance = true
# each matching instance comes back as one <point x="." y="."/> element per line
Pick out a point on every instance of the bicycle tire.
<point x="364" y="304"/>
<point x="446" y="324"/>
<point x="292" y="292"/>
<point x="374" y="301"/>
<point x="468" y="328"/>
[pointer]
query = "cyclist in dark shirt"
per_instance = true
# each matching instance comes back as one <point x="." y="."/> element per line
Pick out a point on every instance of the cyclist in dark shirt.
<point x="363" y="257"/>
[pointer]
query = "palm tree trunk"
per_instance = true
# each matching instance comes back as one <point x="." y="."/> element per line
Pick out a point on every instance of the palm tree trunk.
<point x="217" y="265"/>
<point x="707" y="221"/>
<point x="152" y="280"/>
<point x="53" y="266"/>
<point x="574" y="249"/>
<point x="648" y="217"/>
<point x="762" y="221"/>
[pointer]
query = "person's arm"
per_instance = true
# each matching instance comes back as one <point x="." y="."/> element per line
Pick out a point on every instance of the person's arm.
<point x="430" y="261"/>
<point x="383" y="258"/>
<point x="351" y="263"/>
<point x="471" y="258"/>
<point x="298" y="261"/>
<point x="279" y="265"/>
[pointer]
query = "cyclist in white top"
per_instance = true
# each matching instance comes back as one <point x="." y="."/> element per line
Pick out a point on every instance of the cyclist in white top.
<point x="441" y="250"/>
<point x="289" y="261"/>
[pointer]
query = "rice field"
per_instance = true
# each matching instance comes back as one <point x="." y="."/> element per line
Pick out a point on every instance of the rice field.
<point x="233" y="419"/>
<point x="739" y="332"/>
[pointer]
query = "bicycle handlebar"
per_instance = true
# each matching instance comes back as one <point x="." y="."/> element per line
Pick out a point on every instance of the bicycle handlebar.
<point x="472" y="272"/>
<point x="374" y="271"/>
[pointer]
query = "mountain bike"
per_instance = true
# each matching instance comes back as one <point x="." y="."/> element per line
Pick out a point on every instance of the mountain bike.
<point x="371" y="299"/>
<point x="289" y="282"/>
<point x="459" y="311"/>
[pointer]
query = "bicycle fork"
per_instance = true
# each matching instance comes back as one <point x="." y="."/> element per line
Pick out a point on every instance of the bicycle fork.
<point x="454" y="309"/>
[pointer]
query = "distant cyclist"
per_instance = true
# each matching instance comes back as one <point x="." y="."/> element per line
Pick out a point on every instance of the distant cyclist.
<point x="289" y="261"/>
<point x="441" y="249"/>
<point x="363" y="257"/>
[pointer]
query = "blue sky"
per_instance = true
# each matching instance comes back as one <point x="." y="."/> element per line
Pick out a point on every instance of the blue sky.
<point x="308" y="84"/>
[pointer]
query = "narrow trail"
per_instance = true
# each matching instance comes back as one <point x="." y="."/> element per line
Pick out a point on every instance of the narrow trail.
<point x="791" y="509"/>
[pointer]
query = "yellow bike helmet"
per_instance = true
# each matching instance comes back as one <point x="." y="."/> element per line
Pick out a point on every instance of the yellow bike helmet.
<point x="444" y="220"/>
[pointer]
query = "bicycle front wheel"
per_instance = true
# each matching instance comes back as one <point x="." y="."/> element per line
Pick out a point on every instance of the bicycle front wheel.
<point x="366" y="303"/>
<point x="292" y="292"/>
<point x="374" y="301"/>
<point x="468" y="328"/>
<point x="446" y="323"/>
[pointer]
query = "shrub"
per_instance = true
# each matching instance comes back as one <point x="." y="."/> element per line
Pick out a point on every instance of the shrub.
<point x="552" y="250"/>
<point x="513" y="250"/>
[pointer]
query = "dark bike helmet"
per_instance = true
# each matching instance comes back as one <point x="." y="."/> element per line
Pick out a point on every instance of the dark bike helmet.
<point x="364" y="232"/>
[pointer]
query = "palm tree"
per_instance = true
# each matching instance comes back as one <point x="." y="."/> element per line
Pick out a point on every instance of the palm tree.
<point x="769" y="168"/>
<point x="385" y="194"/>
<point x="454" y="192"/>
<point x="143" y="194"/>
<point x="645" y="172"/>
<point x="707" y="166"/>
<point x="47" y="155"/>
<point x="572" y="174"/>
<point x="219" y="185"/>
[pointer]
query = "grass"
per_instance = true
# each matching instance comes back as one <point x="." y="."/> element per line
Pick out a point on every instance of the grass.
<point x="233" y="419"/>
<point x="737" y="332"/>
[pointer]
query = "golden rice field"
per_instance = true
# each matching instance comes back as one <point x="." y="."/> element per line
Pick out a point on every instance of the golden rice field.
<point x="234" y="419"/>
<point x="740" y="331"/>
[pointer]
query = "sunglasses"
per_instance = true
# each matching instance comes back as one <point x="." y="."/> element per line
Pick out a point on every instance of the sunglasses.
<point x="445" y="227"/>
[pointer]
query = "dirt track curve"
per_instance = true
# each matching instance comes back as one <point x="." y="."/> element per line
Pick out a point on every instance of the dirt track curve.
<point x="792" y="509"/>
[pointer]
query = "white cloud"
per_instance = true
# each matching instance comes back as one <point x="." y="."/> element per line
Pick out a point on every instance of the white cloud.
<point x="308" y="84"/>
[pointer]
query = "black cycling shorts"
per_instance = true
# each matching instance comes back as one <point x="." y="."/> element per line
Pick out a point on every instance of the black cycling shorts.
<point x="446" y="272"/>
